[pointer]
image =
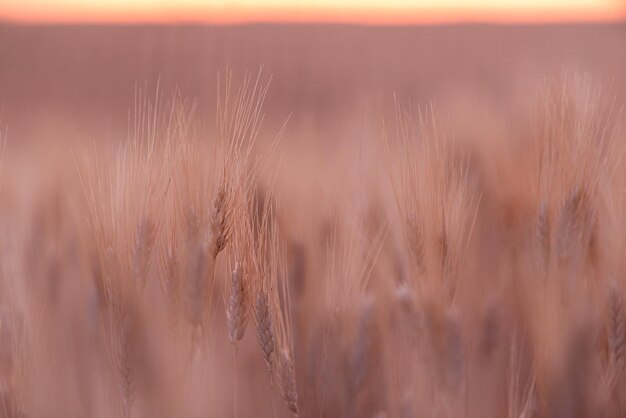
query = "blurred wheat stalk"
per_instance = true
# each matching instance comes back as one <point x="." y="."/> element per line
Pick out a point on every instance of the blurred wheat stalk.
<point x="443" y="279"/>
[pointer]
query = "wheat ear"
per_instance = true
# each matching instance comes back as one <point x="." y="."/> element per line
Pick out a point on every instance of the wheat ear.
<point x="237" y="312"/>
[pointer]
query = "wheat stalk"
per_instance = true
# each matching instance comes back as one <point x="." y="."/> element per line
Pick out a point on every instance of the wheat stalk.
<point x="264" y="326"/>
<point x="287" y="380"/>
<point x="237" y="312"/>
<point x="616" y="336"/>
<point x="542" y="232"/>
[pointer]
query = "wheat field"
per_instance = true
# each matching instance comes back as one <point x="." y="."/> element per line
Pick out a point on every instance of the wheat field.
<point x="275" y="221"/>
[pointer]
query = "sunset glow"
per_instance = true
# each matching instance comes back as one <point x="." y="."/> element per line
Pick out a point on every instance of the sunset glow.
<point x="348" y="11"/>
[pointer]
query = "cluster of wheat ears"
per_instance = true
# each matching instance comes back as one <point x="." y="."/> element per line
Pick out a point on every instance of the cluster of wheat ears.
<point x="434" y="278"/>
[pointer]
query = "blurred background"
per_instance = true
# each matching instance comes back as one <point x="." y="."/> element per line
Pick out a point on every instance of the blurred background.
<point x="70" y="67"/>
<point x="69" y="73"/>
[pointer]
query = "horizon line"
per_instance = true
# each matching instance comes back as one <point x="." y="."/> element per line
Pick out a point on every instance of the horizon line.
<point x="295" y="15"/>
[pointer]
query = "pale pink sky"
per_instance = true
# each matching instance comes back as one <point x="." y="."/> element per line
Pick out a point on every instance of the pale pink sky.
<point x="357" y="11"/>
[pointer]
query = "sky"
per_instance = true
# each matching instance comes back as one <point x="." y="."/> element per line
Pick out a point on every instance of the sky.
<point x="347" y="11"/>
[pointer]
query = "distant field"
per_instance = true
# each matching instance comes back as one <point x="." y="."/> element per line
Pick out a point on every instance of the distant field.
<point x="323" y="75"/>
